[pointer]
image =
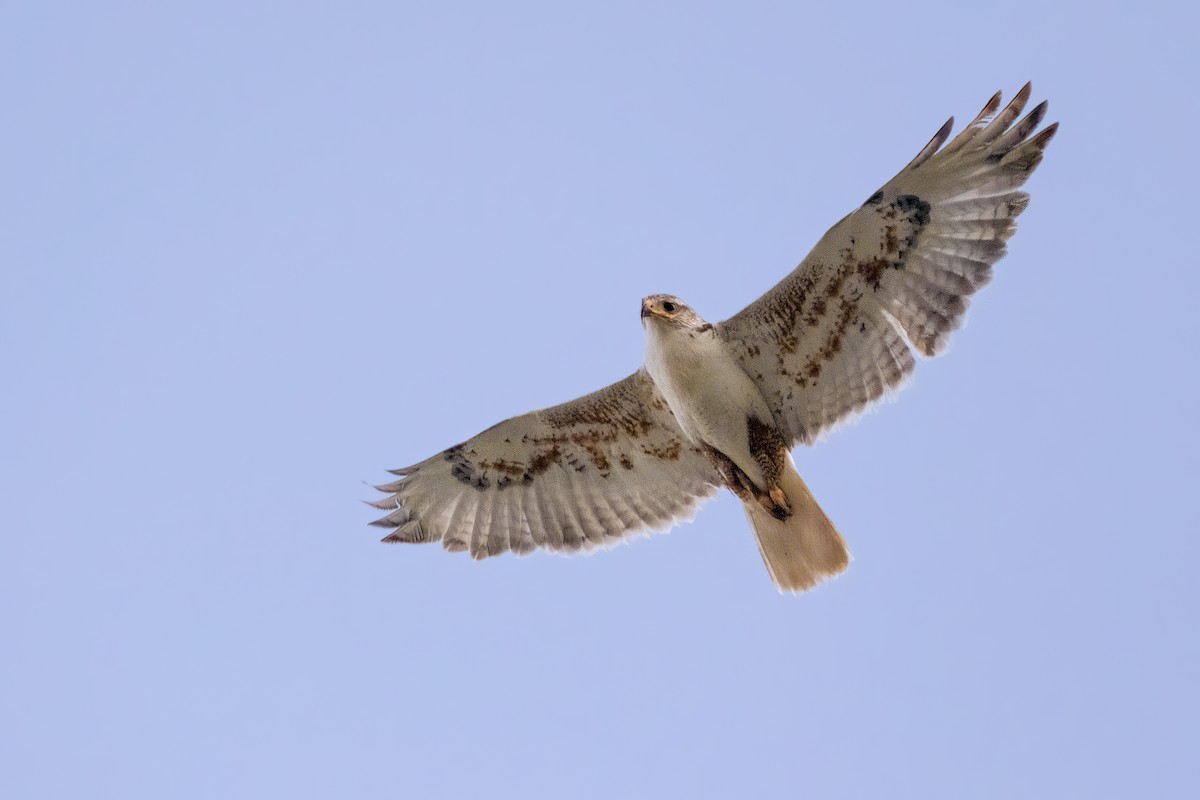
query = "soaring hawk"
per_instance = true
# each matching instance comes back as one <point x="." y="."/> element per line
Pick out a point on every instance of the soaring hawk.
<point x="723" y="404"/>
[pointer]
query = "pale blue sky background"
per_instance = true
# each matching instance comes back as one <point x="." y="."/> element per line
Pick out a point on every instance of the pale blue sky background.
<point x="252" y="254"/>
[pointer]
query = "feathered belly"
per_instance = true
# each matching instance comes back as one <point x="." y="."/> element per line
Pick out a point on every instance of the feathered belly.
<point x="711" y="397"/>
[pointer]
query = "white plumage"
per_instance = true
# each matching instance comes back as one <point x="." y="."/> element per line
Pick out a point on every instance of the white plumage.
<point x="721" y="405"/>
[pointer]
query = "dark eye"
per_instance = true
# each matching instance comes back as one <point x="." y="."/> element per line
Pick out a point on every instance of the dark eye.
<point x="669" y="307"/>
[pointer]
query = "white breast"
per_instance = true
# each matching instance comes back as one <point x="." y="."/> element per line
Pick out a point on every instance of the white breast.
<point x="706" y="389"/>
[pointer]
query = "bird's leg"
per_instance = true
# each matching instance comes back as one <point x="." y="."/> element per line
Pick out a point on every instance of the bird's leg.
<point x="775" y="502"/>
<point x="732" y="477"/>
<point x="770" y="451"/>
<point x="780" y="499"/>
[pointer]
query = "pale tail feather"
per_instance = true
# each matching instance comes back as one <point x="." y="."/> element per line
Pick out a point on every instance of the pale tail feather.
<point x="803" y="550"/>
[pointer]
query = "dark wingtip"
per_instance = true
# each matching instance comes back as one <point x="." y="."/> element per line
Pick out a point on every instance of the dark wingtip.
<point x="990" y="106"/>
<point x="1038" y="113"/>
<point x="933" y="145"/>
<point x="1043" y="138"/>
<point x="386" y="504"/>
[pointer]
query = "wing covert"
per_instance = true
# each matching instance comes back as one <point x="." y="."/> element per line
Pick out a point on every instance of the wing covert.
<point x="835" y="334"/>
<point x="581" y="475"/>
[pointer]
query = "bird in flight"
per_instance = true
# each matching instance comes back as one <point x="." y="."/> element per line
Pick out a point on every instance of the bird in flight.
<point x="721" y="405"/>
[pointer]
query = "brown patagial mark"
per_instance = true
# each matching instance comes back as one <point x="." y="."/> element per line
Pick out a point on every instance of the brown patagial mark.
<point x="605" y="423"/>
<point x="606" y="408"/>
<point x="790" y="306"/>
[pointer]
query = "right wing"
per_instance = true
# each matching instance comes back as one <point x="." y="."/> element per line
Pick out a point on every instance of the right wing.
<point x="834" y="335"/>
<point x="580" y="475"/>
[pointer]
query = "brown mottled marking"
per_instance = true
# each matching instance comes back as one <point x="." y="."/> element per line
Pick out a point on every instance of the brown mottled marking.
<point x="598" y="456"/>
<point x="833" y="343"/>
<point x="463" y="473"/>
<point x="890" y="242"/>
<point x="769" y="451"/>
<point x="541" y="461"/>
<point x="767" y="447"/>
<point x="593" y="442"/>
<point x="790" y="306"/>
<point x="668" y="452"/>
<point x="834" y="287"/>
<point x="872" y="269"/>
<point x="732" y="478"/>
<point x="463" y="470"/>
<point x="501" y="465"/>
<point x="609" y="407"/>
<point x="910" y="202"/>
<point x="816" y="312"/>
<point x="625" y="462"/>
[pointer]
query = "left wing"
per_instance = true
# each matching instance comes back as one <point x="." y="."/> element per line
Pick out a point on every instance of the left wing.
<point x="834" y="335"/>
<point x="580" y="475"/>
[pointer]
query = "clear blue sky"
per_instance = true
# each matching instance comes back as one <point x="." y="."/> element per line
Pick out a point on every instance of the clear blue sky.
<point x="252" y="254"/>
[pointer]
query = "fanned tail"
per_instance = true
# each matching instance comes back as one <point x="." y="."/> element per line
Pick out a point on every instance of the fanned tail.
<point x="803" y="550"/>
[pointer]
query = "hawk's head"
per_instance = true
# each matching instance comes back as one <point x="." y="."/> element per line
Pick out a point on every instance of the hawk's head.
<point x="667" y="308"/>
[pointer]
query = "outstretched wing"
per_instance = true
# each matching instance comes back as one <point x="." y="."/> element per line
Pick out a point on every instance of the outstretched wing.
<point x="577" y="476"/>
<point x="834" y="335"/>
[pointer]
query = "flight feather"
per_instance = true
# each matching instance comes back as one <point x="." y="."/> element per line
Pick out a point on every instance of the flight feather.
<point x="895" y="275"/>
<point x="576" y="476"/>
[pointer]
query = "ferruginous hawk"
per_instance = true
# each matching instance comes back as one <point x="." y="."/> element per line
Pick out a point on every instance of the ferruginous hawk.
<point x="722" y="405"/>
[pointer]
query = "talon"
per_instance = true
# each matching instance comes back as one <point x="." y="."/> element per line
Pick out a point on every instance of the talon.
<point x="780" y="499"/>
<point x="775" y="504"/>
